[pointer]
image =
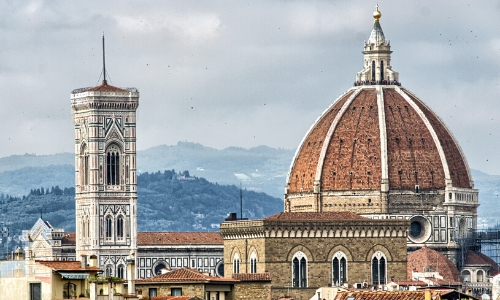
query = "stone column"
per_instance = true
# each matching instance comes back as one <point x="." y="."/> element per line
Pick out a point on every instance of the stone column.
<point x="131" y="274"/>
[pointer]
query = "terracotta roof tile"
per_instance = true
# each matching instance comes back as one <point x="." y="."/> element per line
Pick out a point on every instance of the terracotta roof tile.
<point x="185" y="275"/>
<point x="431" y="259"/>
<point x="495" y="268"/>
<point x="473" y="259"/>
<point x="346" y="215"/>
<point x="385" y="295"/>
<point x="105" y="87"/>
<point x="411" y="283"/>
<point x="59" y="265"/>
<point x="253" y="276"/>
<point x="69" y="238"/>
<point x="176" y="238"/>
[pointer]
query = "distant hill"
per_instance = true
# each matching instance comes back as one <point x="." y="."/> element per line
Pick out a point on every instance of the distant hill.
<point x="260" y="169"/>
<point x="166" y="202"/>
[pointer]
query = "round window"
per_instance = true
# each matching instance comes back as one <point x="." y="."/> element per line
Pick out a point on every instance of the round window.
<point x="415" y="229"/>
<point x="420" y="229"/>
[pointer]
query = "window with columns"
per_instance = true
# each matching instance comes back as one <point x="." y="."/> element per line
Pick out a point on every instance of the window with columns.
<point x="339" y="268"/>
<point x="236" y="263"/>
<point x="379" y="268"/>
<point x="299" y="270"/>
<point x="253" y="263"/>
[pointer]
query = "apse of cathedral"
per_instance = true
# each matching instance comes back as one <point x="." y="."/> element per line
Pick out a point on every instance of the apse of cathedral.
<point x="381" y="152"/>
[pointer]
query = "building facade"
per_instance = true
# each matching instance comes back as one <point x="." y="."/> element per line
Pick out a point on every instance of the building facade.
<point x="105" y="173"/>
<point x="381" y="152"/>
<point x="305" y="251"/>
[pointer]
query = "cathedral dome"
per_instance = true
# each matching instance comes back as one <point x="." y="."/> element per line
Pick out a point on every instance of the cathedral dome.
<point x="379" y="150"/>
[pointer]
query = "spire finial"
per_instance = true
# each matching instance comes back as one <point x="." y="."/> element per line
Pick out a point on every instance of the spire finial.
<point x="377" y="14"/>
<point x="103" y="61"/>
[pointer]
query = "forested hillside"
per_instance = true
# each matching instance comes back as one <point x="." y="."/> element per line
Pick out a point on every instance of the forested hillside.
<point x="167" y="201"/>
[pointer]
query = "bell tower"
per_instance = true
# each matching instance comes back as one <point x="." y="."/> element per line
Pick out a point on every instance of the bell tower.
<point x="105" y="174"/>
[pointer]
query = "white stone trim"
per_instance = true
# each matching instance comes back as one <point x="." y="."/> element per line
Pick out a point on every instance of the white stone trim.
<point x="384" y="183"/>
<point x="307" y="135"/>
<point x="433" y="134"/>
<point x="330" y="132"/>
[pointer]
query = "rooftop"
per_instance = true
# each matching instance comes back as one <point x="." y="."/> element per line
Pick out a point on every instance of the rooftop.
<point x="311" y="216"/>
<point x="59" y="265"/>
<point x="185" y="275"/>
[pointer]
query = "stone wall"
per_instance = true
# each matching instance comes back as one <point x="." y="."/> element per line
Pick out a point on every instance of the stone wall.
<point x="275" y="244"/>
<point x="252" y="290"/>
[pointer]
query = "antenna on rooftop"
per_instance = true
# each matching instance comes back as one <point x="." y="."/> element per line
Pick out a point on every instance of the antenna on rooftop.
<point x="103" y="61"/>
<point x="241" y="202"/>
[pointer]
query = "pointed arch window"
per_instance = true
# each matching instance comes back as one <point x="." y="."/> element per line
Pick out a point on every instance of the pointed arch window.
<point x="113" y="165"/>
<point x="379" y="268"/>
<point x="236" y="264"/>
<point x="121" y="272"/>
<point x="339" y="269"/>
<point x="119" y="227"/>
<point x="299" y="270"/>
<point x="253" y="263"/>
<point x="109" y="270"/>
<point x="108" y="224"/>
<point x="373" y="70"/>
<point x="382" y="70"/>
<point x="84" y="166"/>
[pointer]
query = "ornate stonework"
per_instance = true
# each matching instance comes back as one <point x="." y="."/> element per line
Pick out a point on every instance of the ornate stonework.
<point x="380" y="151"/>
<point x="106" y="177"/>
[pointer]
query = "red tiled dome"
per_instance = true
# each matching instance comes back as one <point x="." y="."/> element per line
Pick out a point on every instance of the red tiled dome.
<point x="432" y="260"/>
<point x="363" y="140"/>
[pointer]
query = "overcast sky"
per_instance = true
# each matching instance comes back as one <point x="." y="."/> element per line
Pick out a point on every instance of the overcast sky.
<point x="242" y="73"/>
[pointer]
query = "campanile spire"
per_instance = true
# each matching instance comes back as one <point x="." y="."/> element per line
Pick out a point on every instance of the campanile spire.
<point x="377" y="67"/>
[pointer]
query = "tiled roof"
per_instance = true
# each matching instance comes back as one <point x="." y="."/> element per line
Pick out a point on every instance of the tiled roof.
<point x="59" y="265"/>
<point x="474" y="259"/>
<point x="346" y="215"/>
<point x="104" y="87"/>
<point x="384" y="295"/>
<point x="185" y="275"/>
<point x="252" y="276"/>
<point x="176" y="238"/>
<point x="495" y="268"/>
<point x="69" y="238"/>
<point x="411" y="283"/>
<point x="164" y="238"/>
<point x="431" y="259"/>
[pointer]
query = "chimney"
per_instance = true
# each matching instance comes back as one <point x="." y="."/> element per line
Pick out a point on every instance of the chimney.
<point x="93" y="261"/>
<point x="232" y="217"/>
<point x="427" y="294"/>
<point x="84" y="261"/>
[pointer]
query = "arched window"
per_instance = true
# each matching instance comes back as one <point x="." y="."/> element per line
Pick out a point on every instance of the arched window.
<point x="109" y="270"/>
<point x="108" y="227"/>
<point x="373" y="71"/>
<point x="119" y="227"/>
<point x="236" y="263"/>
<point x="480" y="276"/>
<point x="253" y="263"/>
<point x="339" y="269"/>
<point x="121" y="271"/>
<point x="113" y="165"/>
<point x="382" y="70"/>
<point x="466" y="275"/>
<point x="299" y="270"/>
<point x="379" y="268"/>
